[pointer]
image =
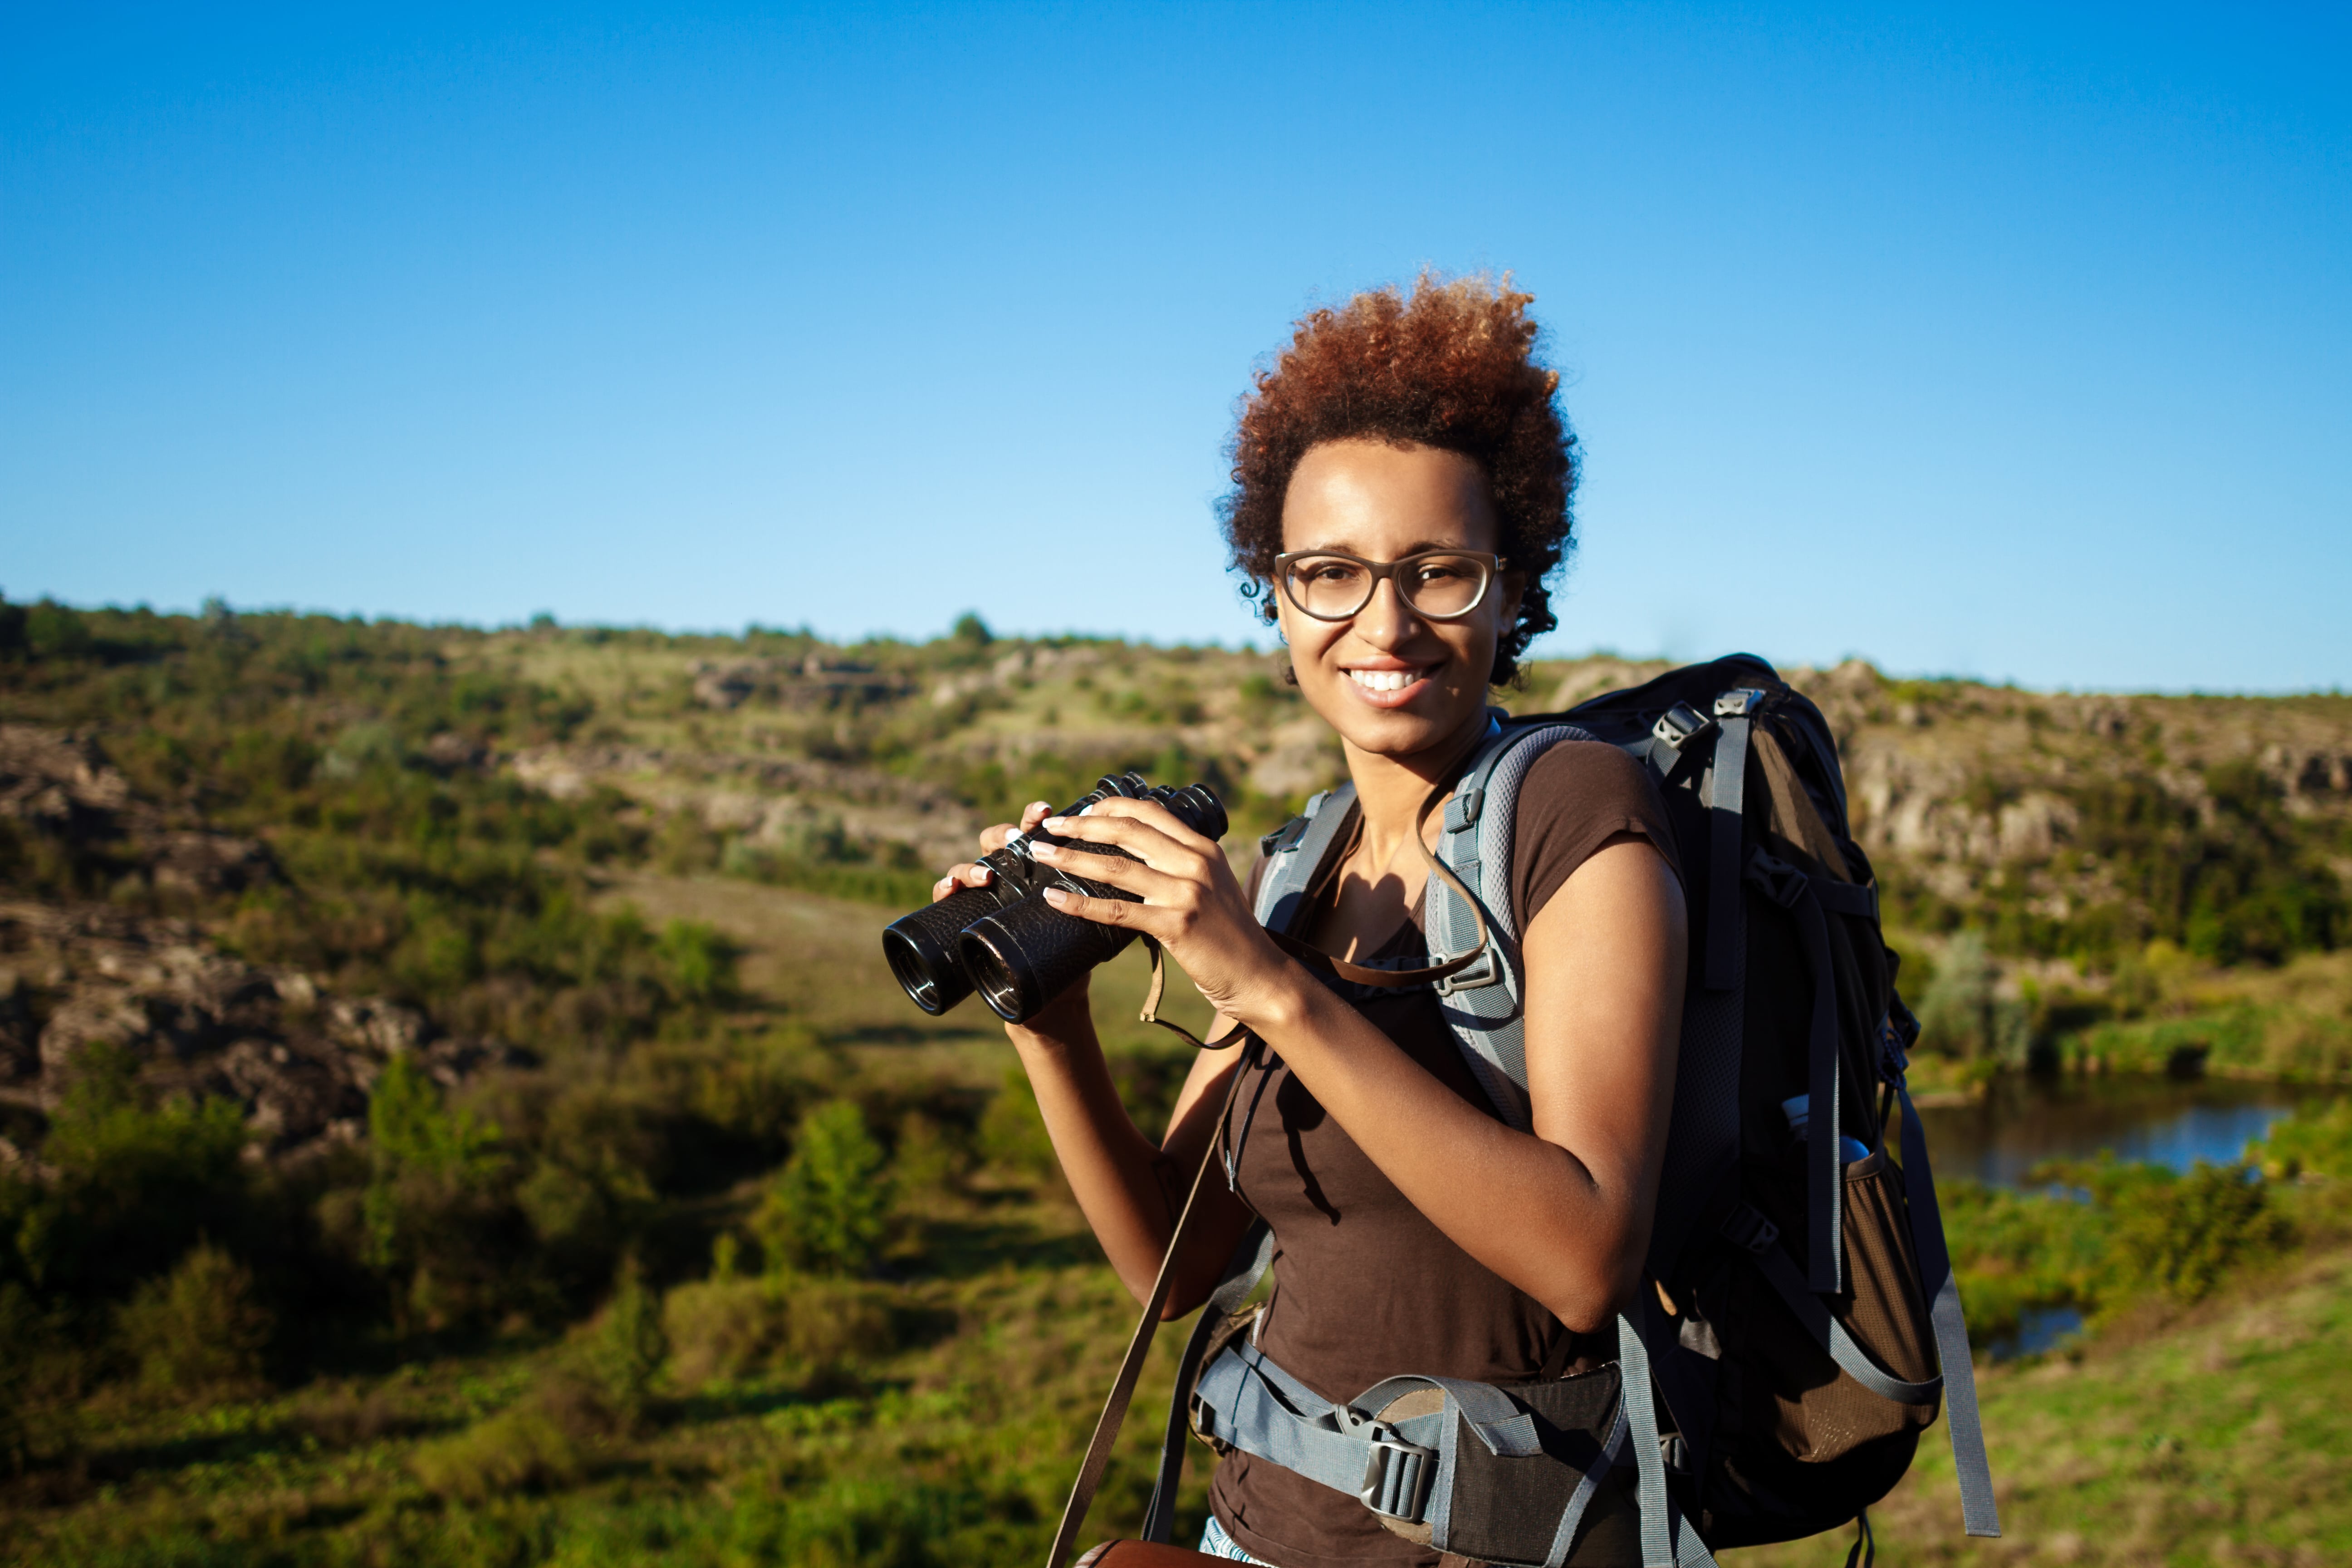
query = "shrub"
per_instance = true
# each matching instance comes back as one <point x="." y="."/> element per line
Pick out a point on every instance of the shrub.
<point x="2316" y="1140"/>
<point x="437" y="1222"/>
<point x="136" y="1185"/>
<point x="542" y="1443"/>
<point x="199" y="1328"/>
<point x="723" y="1328"/>
<point x="830" y="1205"/>
<point x="623" y="1351"/>
<point x="2180" y="1236"/>
<point x="736" y="1328"/>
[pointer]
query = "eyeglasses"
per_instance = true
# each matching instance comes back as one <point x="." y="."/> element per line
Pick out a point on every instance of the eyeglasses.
<point x="1441" y="584"/>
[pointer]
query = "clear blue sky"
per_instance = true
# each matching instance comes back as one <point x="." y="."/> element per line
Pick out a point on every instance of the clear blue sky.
<point x="2015" y="343"/>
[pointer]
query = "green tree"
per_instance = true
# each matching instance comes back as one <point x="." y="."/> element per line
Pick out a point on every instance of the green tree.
<point x="830" y="1205"/>
<point x="200" y="1326"/>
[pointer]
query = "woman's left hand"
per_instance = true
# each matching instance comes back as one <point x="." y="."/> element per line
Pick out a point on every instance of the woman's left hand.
<point x="1192" y="904"/>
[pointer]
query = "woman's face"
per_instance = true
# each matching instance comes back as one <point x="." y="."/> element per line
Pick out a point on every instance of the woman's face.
<point x="1391" y="682"/>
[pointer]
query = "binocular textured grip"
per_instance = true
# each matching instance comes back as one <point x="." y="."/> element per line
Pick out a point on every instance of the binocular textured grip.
<point x="1003" y="938"/>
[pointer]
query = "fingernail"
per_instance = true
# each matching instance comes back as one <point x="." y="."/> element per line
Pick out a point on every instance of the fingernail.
<point x="980" y="874"/>
<point x="1045" y="851"/>
<point x="1039" y="806"/>
<point x="1057" y="897"/>
<point x="1055" y="824"/>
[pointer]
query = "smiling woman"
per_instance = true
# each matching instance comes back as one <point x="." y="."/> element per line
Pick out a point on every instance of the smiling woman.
<point x="1402" y="480"/>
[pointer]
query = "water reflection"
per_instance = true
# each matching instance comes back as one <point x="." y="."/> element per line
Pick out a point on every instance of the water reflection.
<point x="2024" y="1122"/>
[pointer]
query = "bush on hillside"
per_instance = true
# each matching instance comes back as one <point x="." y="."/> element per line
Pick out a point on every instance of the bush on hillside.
<point x="135" y="1184"/>
<point x="623" y="1349"/>
<point x="829" y="1208"/>
<point x="2181" y="1236"/>
<point x="202" y="1328"/>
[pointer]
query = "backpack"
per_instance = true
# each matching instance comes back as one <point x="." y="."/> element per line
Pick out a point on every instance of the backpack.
<point x="1799" y="1324"/>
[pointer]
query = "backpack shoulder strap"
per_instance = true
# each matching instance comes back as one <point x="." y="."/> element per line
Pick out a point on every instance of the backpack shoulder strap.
<point x="1296" y="852"/>
<point x="1481" y="1003"/>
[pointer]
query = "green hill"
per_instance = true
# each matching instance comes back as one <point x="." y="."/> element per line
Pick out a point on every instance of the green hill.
<point x="452" y="1108"/>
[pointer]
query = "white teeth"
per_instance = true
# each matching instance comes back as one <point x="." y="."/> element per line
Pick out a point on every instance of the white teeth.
<point x="1384" y="680"/>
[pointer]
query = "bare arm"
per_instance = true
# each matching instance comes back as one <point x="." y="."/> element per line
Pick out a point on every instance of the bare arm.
<point x="1563" y="1211"/>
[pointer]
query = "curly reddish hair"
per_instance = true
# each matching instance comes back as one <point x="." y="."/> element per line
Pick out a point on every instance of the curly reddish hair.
<point x="1454" y="366"/>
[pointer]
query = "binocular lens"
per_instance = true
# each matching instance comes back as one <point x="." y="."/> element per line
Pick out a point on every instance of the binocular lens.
<point x="922" y="948"/>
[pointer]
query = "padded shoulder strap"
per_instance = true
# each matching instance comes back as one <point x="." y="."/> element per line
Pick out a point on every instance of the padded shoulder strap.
<point x="1295" y="857"/>
<point x="1481" y="1003"/>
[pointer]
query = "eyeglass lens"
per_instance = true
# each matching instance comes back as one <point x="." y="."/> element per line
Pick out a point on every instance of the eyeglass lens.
<point x="1334" y="587"/>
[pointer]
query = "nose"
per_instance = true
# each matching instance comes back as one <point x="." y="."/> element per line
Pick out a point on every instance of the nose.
<point x="1386" y="620"/>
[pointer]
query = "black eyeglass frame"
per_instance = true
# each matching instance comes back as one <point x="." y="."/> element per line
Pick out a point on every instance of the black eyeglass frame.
<point x="1493" y="565"/>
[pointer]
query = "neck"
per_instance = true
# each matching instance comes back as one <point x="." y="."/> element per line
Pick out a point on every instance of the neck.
<point x="1391" y="790"/>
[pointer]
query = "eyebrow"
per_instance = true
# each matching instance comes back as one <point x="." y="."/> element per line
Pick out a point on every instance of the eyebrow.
<point x="1413" y="549"/>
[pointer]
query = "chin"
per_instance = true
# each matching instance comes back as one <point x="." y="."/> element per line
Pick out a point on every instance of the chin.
<point x="1392" y="731"/>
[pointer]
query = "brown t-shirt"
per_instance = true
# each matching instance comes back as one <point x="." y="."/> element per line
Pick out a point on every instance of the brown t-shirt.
<point x="1364" y="1287"/>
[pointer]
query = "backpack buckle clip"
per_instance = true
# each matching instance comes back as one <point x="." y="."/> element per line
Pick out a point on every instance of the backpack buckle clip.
<point x="1470" y="976"/>
<point x="1677" y="726"/>
<point x="1746" y="1226"/>
<point x="1398" y="1476"/>
<point x="1738" y="703"/>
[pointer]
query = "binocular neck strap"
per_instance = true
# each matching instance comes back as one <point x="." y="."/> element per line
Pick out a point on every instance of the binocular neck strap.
<point x="1397" y="979"/>
<point x="1231" y="1037"/>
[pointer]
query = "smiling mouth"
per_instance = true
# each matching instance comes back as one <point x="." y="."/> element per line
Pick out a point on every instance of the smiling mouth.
<point x="1386" y="679"/>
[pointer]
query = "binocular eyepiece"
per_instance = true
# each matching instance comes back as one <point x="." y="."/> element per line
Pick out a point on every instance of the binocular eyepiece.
<point x="1004" y="939"/>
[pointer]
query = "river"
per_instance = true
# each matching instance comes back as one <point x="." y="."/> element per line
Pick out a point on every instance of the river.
<point x="2024" y="1122"/>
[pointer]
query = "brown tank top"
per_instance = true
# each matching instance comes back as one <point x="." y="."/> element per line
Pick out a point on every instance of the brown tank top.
<point x="1364" y="1287"/>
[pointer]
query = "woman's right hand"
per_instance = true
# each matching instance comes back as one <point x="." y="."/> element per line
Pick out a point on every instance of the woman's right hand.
<point x="970" y="873"/>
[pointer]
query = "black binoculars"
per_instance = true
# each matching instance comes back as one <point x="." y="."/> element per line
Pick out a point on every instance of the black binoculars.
<point x="1003" y="938"/>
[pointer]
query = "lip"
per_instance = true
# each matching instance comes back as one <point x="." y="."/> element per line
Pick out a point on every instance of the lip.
<point x="1388" y="699"/>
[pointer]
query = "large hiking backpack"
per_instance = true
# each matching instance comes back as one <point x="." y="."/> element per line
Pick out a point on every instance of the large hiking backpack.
<point x="1798" y="1323"/>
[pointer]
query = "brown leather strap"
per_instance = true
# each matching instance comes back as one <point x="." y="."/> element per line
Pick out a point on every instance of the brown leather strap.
<point x="1231" y="1037"/>
<point x="1123" y="1388"/>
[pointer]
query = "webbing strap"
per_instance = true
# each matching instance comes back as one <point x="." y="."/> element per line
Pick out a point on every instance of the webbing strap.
<point x="1139" y="1345"/>
<point x="1865" y="1553"/>
<point x="1979" y="1514"/>
<point x="1247" y="1266"/>
<point x="1824" y="1120"/>
<point x="1253" y="1403"/>
<point x="1728" y="805"/>
<point x="1831" y="1336"/>
<point x="1563" y="1537"/>
<point x="1660" y="1545"/>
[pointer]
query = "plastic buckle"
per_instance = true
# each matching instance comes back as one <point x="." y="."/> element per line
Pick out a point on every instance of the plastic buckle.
<point x="1737" y="702"/>
<point x="1471" y="976"/>
<point x="1282" y="838"/>
<point x="1677" y="724"/>
<point x="1398" y="1476"/>
<point x="1781" y="882"/>
<point x="1746" y="1226"/>
<point x="1462" y="811"/>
